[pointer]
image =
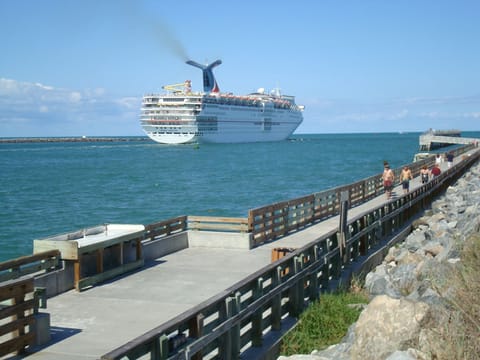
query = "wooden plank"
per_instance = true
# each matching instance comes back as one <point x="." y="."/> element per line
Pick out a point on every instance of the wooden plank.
<point x="17" y="344"/>
<point x="77" y="268"/>
<point x="16" y="289"/>
<point x="139" y="249"/>
<point x="5" y="265"/>
<point x="29" y="268"/>
<point x="215" y="219"/>
<point x="166" y="227"/>
<point x="262" y="211"/>
<point x="12" y="310"/>
<point x="68" y="249"/>
<point x="17" y="324"/>
<point x="302" y="200"/>
<point x="99" y="260"/>
<point x="152" y="231"/>
<point x="218" y="227"/>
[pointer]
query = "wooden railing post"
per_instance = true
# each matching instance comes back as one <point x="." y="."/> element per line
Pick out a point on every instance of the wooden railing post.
<point x="343" y="226"/>
<point x="99" y="260"/>
<point x="336" y="261"/>
<point x="364" y="240"/>
<point x="195" y="330"/>
<point x="138" y="252"/>
<point x="257" y="317"/>
<point x="160" y="348"/>
<point x="277" y="301"/>
<point x="296" y="297"/>
<point x="358" y="227"/>
<point x="224" y="341"/>
<point x="299" y="263"/>
<point x="163" y="342"/>
<point x="233" y="308"/>
<point x="313" y="288"/>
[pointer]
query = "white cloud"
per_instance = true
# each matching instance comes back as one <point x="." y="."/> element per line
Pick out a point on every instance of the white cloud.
<point x="33" y="109"/>
<point x="43" y="86"/>
<point x="75" y="97"/>
<point x="129" y="102"/>
<point x="408" y="114"/>
<point x="472" y="115"/>
<point x="439" y="101"/>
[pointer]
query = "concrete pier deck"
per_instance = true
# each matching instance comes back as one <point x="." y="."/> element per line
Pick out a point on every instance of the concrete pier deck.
<point x="431" y="142"/>
<point x="88" y="324"/>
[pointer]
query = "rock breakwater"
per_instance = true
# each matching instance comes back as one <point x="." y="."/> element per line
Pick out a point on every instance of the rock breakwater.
<point x="408" y="307"/>
<point x="70" y="139"/>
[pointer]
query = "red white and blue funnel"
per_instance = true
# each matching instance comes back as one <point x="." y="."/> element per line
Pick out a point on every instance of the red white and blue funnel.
<point x="209" y="83"/>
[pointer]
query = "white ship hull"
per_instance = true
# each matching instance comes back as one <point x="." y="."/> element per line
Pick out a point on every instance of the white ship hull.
<point x="182" y="117"/>
<point x="218" y="123"/>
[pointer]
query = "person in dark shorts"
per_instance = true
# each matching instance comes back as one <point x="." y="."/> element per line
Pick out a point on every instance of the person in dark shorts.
<point x="405" y="178"/>
<point x="424" y="174"/>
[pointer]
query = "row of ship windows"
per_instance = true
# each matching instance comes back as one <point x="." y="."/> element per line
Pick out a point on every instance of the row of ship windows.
<point x="156" y="100"/>
<point x="172" y="107"/>
<point x="186" y="112"/>
<point x="197" y="133"/>
<point x="173" y="130"/>
<point x="170" y="104"/>
<point x="171" y="133"/>
<point x="194" y="106"/>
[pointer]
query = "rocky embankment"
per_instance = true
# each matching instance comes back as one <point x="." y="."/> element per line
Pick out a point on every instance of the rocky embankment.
<point x="407" y="307"/>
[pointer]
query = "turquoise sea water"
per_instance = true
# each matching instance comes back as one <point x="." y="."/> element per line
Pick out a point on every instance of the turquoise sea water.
<point x="51" y="188"/>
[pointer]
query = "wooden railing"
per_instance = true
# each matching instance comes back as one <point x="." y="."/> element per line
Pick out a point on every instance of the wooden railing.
<point x="270" y="222"/>
<point x="238" y="319"/>
<point x="40" y="262"/>
<point x="201" y="223"/>
<point x="166" y="227"/>
<point x="18" y="305"/>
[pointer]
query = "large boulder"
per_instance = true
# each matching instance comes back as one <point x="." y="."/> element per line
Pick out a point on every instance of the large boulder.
<point x="387" y="325"/>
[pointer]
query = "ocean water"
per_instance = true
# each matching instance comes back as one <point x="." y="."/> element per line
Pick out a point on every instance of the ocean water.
<point x="52" y="188"/>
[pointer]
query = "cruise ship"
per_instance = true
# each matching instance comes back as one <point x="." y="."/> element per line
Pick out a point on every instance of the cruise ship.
<point x="181" y="116"/>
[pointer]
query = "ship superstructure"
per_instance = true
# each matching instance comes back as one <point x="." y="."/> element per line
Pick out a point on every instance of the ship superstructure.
<point x="182" y="116"/>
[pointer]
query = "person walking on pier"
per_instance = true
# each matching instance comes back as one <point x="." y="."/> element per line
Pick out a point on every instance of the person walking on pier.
<point x="405" y="177"/>
<point x="388" y="178"/>
<point x="435" y="171"/>
<point x="438" y="159"/>
<point x="450" y="159"/>
<point x="424" y="174"/>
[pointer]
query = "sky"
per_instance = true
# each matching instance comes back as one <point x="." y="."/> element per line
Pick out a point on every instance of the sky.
<point x="80" y="68"/>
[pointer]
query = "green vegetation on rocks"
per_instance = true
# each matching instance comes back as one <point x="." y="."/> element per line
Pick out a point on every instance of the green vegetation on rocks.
<point x="324" y="323"/>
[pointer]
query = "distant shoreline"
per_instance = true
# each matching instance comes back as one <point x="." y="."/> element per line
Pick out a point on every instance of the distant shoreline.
<point x="70" y="139"/>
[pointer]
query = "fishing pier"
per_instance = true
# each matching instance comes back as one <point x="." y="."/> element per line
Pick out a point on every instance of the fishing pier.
<point x="197" y="287"/>
<point x="432" y="139"/>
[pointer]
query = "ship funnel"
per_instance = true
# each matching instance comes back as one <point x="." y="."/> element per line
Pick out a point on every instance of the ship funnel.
<point x="209" y="82"/>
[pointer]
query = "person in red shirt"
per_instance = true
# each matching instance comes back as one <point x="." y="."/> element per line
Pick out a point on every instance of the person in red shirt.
<point x="435" y="171"/>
